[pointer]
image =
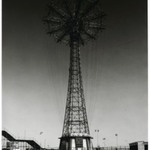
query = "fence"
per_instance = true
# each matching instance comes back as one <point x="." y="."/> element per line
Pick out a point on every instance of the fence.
<point x="102" y="148"/>
<point x="113" y="148"/>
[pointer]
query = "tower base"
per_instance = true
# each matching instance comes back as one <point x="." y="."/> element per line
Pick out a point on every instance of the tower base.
<point x="76" y="143"/>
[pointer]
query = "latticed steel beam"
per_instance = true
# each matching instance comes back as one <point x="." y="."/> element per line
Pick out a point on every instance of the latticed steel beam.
<point x="78" y="18"/>
<point x="67" y="8"/>
<point x="78" y="5"/>
<point x="75" y="22"/>
<point x="90" y="8"/>
<point x="75" y="122"/>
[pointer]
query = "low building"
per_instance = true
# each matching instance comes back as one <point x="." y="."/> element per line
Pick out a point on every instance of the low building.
<point x="140" y="145"/>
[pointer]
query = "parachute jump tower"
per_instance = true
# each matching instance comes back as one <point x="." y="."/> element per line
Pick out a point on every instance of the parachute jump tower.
<point x="74" y="22"/>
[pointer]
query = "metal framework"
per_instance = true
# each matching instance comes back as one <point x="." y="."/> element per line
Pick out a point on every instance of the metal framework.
<point x="75" y="22"/>
<point x="75" y="122"/>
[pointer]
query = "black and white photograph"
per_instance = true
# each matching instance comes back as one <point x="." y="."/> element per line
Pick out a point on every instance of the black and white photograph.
<point x="74" y="75"/>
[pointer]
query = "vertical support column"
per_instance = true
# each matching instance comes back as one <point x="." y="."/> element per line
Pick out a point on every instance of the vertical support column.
<point x="75" y="128"/>
<point x="75" y="121"/>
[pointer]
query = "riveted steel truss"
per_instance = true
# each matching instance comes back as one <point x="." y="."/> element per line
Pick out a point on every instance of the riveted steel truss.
<point x="74" y="22"/>
<point x="75" y="122"/>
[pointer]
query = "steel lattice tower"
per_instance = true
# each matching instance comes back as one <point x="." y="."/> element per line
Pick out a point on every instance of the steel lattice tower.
<point x="75" y="22"/>
<point x="75" y="122"/>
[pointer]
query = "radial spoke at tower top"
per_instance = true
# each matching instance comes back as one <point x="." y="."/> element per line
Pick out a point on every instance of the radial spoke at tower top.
<point x="81" y="16"/>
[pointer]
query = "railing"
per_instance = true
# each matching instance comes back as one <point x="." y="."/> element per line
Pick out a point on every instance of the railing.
<point x="112" y="148"/>
<point x="97" y="148"/>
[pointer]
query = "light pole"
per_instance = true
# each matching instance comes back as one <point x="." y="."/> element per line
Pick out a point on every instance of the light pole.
<point x="116" y="140"/>
<point x="40" y="138"/>
<point x="97" y="131"/>
<point x="104" y="141"/>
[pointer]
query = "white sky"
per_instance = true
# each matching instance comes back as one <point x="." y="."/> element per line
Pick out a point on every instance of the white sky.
<point x="35" y="77"/>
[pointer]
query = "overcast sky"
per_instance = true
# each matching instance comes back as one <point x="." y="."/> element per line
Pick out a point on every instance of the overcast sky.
<point x="35" y="74"/>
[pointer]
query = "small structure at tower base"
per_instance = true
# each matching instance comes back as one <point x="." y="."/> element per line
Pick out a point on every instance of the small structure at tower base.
<point x="76" y="143"/>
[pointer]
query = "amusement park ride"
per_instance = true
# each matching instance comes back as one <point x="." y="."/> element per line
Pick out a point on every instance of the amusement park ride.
<point x="75" y="22"/>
